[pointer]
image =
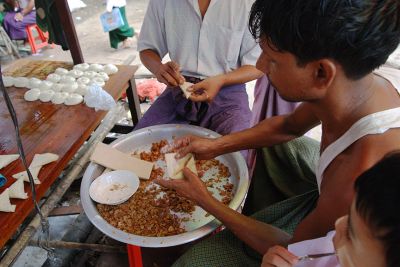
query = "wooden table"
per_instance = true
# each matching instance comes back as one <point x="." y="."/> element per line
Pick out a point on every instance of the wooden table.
<point x="45" y="127"/>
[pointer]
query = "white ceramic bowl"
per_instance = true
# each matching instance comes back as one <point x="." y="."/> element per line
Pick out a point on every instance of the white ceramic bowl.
<point x="114" y="187"/>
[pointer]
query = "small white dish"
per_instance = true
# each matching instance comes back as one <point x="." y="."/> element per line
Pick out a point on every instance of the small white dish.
<point x="114" y="187"/>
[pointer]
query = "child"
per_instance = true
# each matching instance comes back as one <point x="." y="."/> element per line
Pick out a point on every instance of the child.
<point x="124" y="33"/>
<point x="369" y="234"/>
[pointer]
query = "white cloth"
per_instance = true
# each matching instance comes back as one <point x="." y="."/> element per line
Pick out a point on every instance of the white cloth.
<point x="219" y="43"/>
<point x="315" y="246"/>
<point x="115" y="3"/>
<point x="376" y="123"/>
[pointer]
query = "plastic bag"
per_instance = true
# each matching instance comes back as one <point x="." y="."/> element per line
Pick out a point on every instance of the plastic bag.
<point x="99" y="99"/>
<point x="111" y="20"/>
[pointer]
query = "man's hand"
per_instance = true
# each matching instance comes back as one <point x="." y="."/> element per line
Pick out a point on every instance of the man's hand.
<point x="191" y="187"/>
<point x="201" y="148"/>
<point x="207" y="90"/>
<point x="169" y="74"/>
<point x="278" y="256"/>
<point x="18" y="17"/>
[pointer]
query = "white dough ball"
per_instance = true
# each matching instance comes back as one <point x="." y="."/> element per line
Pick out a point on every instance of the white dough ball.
<point x="59" y="98"/>
<point x="73" y="99"/>
<point x="70" y="87"/>
<point x="8" y="81"/>
<point x="67" y="79"/>
<point x="75" y="73"/>
<point x="34" y="83"/>
<point x="98" y="81"/>
<point x="57" y="87"/>
<point x="82" y="89"/>
<point x="21" y="82"/>
<point x="103" y="75"/>
<point x="110" y="69"/>
<point x="82" y="66"/>
<point x="46" y="85"/>
<point x="90" y="74"/>
<point x="61" y="71"/>
<point x="83" y="80"/>
<point x="96" y="67"/>
<point x="53" y="77"/>
<point x="45" y="96"/>
<point x="32" y="95"/>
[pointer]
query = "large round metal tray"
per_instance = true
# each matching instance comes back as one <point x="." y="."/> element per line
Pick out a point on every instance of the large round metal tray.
<point x="142" y="138"/>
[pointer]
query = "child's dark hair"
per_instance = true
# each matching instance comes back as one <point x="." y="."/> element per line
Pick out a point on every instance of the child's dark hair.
<point x="358" y="34"/>
<point x="378" y="203"/>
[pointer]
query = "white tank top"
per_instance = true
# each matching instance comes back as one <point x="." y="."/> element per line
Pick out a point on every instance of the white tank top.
<point x="376" y="123"/>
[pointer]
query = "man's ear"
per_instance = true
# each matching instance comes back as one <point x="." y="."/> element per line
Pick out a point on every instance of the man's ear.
<point x="325" y="73"/>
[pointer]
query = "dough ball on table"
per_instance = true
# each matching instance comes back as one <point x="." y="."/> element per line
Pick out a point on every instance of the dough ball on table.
<point x="57" y="87"/>
<point x="75" y="73"/>
<point x="53" y="77"/>
<point x="34" y="83"/>
<point x="59" y="98"/>
<point x="83" y="80"/>
<point x="82" y="89"/>
<point x="73" y="99"/>
<point x="96" y="67"/>
<point x="61" y="71"/>
<point x="70" y="87"/>
<point x="46" y="96"/>
<point x="110" y="69"/>
<point x="67" y="79"/>
<point x="89" y="74"/>
<point x="21" y="82"/>
<point x="46" y="85"/>
<point x="32" y="95"/>
<point x="103" y="76"/>
<point x="8" y="81"/>
<point x="82" y="66"/>
<point x="98" y="81"/>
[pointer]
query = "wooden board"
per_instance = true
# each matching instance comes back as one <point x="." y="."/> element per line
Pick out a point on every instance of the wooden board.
<point x="45" y="127"/>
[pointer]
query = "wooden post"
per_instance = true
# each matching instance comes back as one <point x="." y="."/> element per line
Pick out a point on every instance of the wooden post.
<point x="69" y="30"/>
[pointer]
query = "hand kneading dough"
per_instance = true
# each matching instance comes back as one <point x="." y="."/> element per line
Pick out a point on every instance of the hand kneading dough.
<point x="82" y="90"/>
<point x="70" y="87"/>
<point x="21" y="82"/>
<point x="67" y="79"/>
<point x="83" y="80"/>
<point x="45" y="85"/>
<point x="17" y="190"/>
<point x="175" y="167"/>
<point x="8" y="81"/>
<point x="73" y="99"/>
<point x="5" y="204"/>
<point x="34" y="83"/>
<point x="53" y="77"/>
<point x="32" y="95"/>
<point x="96" y="67"/>
<point x="24" y="175"/>
<point x="110" y="69"/>
<point x="45" y="96"/>
<point x="184" y="88"/>
<point x="58" y="98"/>
<point x="75" y="73"/>
<point x="61" y="71"/>
<point x="7" y="159"/>
<point x="82" y="66"/>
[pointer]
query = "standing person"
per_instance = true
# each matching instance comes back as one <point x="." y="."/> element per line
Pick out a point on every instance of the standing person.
<point x="210" y="45"/>
<point x="329" y="58"/>
<point x="15" y="21"/>
<point x="124" y="33"/>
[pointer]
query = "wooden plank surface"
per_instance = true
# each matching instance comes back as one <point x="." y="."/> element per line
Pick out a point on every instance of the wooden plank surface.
<point x="45" y="127"/>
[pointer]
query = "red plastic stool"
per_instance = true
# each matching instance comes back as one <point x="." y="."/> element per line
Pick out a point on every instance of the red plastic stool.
<point x="41" y="36"/>
<point x="135" y="256"/>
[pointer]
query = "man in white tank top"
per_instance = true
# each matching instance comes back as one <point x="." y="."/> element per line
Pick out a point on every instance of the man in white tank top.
<point x="321" y="53"/>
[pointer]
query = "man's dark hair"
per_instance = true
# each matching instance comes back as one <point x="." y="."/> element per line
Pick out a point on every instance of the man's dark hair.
<point x="378" y="203"/>
<point x="358" y="34"/>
